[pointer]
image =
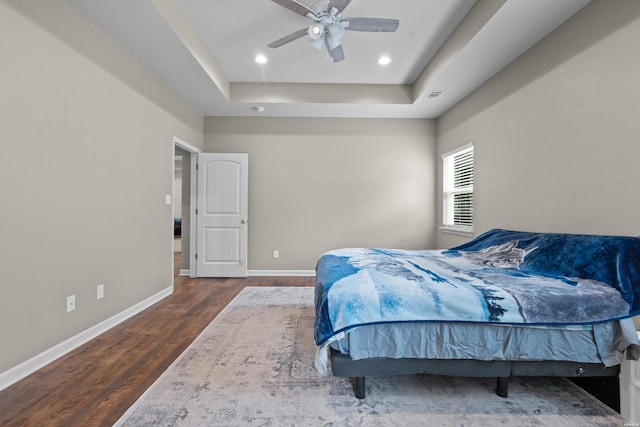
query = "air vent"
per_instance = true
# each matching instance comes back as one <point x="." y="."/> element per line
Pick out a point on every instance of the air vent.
<point x="433" y="94"/>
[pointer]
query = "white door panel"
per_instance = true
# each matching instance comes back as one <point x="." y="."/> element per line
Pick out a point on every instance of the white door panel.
<point x="222" y="215"/>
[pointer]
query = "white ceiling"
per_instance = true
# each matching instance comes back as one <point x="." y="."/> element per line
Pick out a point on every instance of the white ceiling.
<point x="205" y="49"/>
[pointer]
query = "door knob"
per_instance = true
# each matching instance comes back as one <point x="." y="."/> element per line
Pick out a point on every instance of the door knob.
<point x="244" y="221"/>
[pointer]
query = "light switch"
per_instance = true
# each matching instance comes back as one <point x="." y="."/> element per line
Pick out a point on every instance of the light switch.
<point x="167" y="199"/>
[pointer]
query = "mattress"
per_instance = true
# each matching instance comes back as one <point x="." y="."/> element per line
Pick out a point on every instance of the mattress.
<point x="600" y="343"/>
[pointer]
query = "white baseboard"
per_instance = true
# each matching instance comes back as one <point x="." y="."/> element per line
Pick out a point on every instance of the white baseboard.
<point x="305" y="273"/>
<point x="185" y="272"/>
<point x="28" y="367"/>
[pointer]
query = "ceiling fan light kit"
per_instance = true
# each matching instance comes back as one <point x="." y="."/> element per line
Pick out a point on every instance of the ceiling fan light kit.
<point x="328" y="28"/>
<point x="316" y="31"/>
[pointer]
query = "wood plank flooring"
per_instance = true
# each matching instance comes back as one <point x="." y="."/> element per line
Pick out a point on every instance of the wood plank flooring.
<point x="96" y="383"/>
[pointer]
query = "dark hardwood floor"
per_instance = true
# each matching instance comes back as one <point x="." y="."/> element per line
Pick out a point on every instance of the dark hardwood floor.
<point x="97" y="382"/>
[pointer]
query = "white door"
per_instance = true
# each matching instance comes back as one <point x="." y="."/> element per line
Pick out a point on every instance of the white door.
<point x="221" y="215"/>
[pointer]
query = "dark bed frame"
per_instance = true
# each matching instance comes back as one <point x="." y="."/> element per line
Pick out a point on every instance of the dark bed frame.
<point x="343" y="366"/>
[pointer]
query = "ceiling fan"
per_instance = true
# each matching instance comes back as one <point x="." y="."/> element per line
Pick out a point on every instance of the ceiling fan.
<point x="328" y="27"/>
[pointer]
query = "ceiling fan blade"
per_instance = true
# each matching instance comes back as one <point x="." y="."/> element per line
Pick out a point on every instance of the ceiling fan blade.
<point x="294" y="6"/>
<point x="337" y="53"/>
<point x="339" y="4"/>
<point x="286" y="39"/>
<point x="375" y="25"/>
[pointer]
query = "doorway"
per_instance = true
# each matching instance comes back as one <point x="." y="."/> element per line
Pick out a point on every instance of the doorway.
<point x="177" y="209"/>
<point x="184" y="199"/>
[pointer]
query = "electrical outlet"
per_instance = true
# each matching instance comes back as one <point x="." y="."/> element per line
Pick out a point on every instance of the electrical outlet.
<point x="100" y="292"/>
<point x="71" y="303"/>
<point x="276" y="254"/>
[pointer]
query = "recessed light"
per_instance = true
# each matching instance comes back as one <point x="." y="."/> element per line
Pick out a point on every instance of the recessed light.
<point x="261" y="59"/>
<point x="384" y="60"/>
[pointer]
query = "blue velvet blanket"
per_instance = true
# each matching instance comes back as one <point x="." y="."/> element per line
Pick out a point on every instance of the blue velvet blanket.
<point x="502" y="276"/>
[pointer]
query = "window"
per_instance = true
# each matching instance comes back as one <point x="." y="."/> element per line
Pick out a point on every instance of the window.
<point x="457" y="196"/>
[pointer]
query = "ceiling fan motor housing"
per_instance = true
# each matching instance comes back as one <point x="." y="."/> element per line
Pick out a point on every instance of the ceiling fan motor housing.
<point x="327" y="28"/>
<point x="327" y="24"/>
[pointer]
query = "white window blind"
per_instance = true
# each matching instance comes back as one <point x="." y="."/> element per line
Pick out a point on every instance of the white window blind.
<point x="458" y="168"/>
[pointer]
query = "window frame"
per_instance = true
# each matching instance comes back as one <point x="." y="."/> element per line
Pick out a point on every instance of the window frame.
<point x="449" y="191"/>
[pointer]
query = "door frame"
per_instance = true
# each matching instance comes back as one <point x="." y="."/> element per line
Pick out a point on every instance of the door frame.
<point x="193" y="151"/>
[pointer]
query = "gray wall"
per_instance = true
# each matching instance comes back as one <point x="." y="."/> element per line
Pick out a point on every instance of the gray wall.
<point x="87" y="143"/>
<point x="320" y="184"/>
<point x="557" y="133"/>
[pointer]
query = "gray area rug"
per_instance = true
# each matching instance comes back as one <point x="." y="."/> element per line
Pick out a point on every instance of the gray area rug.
<point x="253" y="366"/>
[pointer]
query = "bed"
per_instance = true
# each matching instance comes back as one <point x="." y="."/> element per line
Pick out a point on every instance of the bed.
<point x="507" y="303"/>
